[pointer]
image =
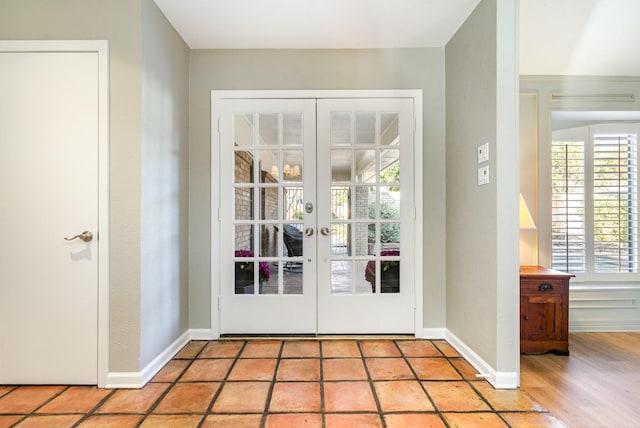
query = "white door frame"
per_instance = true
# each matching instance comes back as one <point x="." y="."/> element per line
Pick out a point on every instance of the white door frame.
<point x="101" y="47"/>
<point x="217" y="98"/>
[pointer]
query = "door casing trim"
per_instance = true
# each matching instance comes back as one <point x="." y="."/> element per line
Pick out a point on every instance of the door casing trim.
<point x="101" y="47"/>
<point x="217" y="97"/>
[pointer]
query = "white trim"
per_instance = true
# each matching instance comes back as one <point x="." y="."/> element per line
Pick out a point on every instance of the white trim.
<point x="202" y="334"/>
<point x="431" y="333"/>
<point x="101" y="47"/>
<point x="603" y="326"/>
<point x="216" y="100"/>
<point x="318" y="94"/>
<point x="418" y="223"/>
<point x="499" y="380"/>
<point x="218" y="96"/>
<point x="602" y="286"/>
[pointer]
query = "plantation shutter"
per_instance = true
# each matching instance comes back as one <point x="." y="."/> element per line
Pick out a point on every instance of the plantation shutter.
<point x="568" y="206"/>
<point x="615" y="203"/>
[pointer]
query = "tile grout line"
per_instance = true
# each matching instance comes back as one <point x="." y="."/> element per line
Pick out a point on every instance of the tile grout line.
<point x="172" y="384"/>
<point x="272" y="384"/>
<point x="433" y="403"/>
<point x="323" y="409"/>
<point x="91" y="412"/>
<point x="372" y="385"/>
<point x="223" y="382"/>
<point x="33" y="412"/>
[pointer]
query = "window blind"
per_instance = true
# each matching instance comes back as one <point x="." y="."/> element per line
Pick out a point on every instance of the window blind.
<point x="568" y="206"/>
<point x="595" y="204"/>
<point x="615" y="203"/>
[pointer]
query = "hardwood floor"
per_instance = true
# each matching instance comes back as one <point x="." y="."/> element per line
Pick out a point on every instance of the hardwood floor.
<point x="597" y="385"/>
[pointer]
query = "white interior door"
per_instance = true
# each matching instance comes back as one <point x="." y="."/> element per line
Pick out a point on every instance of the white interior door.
<point x="365" y="216"/>
<point x="306" y="227"/>
<point x="48" y="192"/>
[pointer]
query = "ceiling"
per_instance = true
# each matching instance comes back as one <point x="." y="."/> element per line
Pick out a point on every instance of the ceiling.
<point x="578" y="37"/>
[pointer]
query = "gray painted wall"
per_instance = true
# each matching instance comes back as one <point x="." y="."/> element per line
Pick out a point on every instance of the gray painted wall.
<point x="316" y="69"/>
<point x="164" y="184"/>
<point x="482" y="231"/>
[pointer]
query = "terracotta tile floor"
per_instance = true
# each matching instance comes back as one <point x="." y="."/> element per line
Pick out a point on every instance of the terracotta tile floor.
<point x="289" y="383"/>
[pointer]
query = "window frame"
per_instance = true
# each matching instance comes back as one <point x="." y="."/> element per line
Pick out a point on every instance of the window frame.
<point x="588" y="132"/>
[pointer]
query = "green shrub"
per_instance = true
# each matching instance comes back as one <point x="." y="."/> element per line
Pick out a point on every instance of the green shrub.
<point x="389" y="232"/>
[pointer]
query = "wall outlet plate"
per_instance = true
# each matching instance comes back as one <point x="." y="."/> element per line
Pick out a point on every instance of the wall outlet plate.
<point x="483" y="152"/>
<point x="483" y="175"/>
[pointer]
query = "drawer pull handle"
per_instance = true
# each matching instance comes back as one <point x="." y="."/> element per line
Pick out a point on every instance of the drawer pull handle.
<point x="545" y="287"/>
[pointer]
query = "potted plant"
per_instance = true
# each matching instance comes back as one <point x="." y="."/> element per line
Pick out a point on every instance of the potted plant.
<point x="244" y="278"/>
<point x="389" y="273"/>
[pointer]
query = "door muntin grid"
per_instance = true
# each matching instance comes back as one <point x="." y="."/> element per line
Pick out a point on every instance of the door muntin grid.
<point x="268" y="166"/>
<point x="365" y="202"/>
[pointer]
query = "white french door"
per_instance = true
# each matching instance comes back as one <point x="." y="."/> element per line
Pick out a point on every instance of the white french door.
<point x="267" y="167"/>
<point x="316" y="200"/>
<point x="365" y="193"/>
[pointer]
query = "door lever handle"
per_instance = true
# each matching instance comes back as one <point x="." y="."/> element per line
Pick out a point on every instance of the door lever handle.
<point x="85" y="236"/>
<point x="325" y="231"/>
<point x="308" y="231"/>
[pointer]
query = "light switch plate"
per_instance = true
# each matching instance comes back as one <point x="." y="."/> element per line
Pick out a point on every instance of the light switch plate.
<point x="483" y="152"/>
<point x="483" y="175"/>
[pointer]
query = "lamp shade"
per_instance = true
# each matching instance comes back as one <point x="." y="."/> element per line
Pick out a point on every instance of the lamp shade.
<point x="526" y="221"/>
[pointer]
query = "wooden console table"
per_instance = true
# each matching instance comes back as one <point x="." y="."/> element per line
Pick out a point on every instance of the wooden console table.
<point x="544" y="310"/>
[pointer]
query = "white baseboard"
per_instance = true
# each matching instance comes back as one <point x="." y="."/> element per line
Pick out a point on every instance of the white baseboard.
<point x="499" y="380"/>
<point x="432" y="333"/>
<point x="201" y="334"/>
<point x="141" y="378"/>
<point x="602" y="326"/>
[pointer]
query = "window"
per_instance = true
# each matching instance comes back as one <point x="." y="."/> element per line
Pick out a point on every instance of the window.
<point x="594" y="201"/>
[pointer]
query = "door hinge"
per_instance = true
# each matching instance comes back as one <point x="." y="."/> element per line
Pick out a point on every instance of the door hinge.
<point x="218" y="124"/>
<point x="415" y="125"/>
<point x="219" y="304"/>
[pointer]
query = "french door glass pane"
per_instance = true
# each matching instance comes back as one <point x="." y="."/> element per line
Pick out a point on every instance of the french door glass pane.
<point x="244" y="203"/>
<point x="341" y="202"/>
<point x="340" y="239"/>
<point x="268" y="130"/>
<point x="292" y="125"/>
<point x="243" y="161"/>
<point x="292" y="167"/>
<point x="366" y="128"/>
<point x="244" y="237"/>
<point x="268" y="241"/>
<point x="341" y="277"/>
<point x="389" y="129"/>
<point x="366" y="171"/>
<point x="341" y="166"/>
<point x="365" y="204"/>
<point x="293" y="203"/>
<point x="243" y="131"/>
<point x="268" y="161"/>
<point x="341" y="129"/>
<point x="389" y="166"/>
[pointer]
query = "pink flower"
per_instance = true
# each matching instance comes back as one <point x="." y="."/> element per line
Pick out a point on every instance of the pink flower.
<point x="385" y="265"/>
<point x="264" y="272"/>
